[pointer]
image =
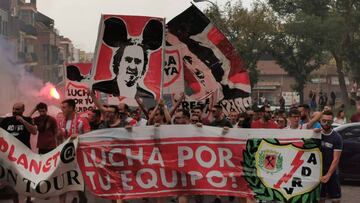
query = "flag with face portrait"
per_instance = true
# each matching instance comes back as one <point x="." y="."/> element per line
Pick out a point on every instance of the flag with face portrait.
<point x="211" y="63"/>
<point x="128" y="56"/>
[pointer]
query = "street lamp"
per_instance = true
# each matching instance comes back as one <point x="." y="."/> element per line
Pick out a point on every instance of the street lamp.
<point x="219" y="20"/>
<point x="217" y="9"/>
<point x="216" y="6"/>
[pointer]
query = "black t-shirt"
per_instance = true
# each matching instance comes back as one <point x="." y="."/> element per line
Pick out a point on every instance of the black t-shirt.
<point x="330" y="143"/>
<point x="221" y="123"/>
<point x="17" y="129"/>
<point x="95" y="126"/>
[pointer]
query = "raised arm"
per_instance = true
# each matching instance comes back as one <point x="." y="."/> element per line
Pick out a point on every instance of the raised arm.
<point x="177" y="104"/>
<point x="166" y="111"/>
<point x="97" y="102"/>
<point x="152" y="115"/>
<point x="29" y="126"/>
<point x="142" y="107"/>
<point x="32" y="111"/>
<point x="314" y="119"/>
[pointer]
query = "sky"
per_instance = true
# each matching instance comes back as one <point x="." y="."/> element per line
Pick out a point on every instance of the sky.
<point x="79" y="19"/>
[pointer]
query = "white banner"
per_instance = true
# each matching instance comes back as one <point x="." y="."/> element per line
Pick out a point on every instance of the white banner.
<point x="35" y="175"/>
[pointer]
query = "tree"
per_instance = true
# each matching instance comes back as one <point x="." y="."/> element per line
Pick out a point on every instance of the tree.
<point x="298" y="56"/>
<point x="248" y="30"/>
<point x="337" y="28"/>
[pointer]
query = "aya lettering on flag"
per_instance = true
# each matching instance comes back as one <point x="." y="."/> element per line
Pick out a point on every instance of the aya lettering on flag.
<point x="212" y="62"/>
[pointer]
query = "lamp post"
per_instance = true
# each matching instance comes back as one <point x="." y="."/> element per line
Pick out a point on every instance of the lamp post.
<point x="214" y="4"/>
<point x="197" y="1"/>
<point x="217" y="10"/>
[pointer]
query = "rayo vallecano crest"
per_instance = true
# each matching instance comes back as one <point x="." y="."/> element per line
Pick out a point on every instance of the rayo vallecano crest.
<point x="283" y="172"/>
<point x="270" y="161"/>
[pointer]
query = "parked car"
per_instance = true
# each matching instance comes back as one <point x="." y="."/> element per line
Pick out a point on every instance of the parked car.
<point x="350" y="156"/>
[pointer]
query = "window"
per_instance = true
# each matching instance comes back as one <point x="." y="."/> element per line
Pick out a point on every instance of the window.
<point x="351" y="133"/>
<point x="1" y="26"/>
<point x="5" y="28"/>
<point x="318" y="80"/>
<point x="335" y="80"/>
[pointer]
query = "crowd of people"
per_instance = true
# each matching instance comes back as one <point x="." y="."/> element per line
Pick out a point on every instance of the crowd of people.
<point x="52" y="131"/>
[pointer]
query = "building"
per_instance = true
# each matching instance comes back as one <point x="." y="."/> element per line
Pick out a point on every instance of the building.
<point x="50" y="64"/>
<point x="4" y="21"/>
<point x="37" y="45"/>
<point x="274" y="81"/>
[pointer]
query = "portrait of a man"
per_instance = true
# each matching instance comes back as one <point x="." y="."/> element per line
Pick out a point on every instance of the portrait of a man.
<point x="130" y="58"/>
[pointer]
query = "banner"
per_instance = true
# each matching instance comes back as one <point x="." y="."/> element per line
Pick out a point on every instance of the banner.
<point x="212" y="62"/>
<point x="35" y="175"/>
<point x="291" y="98"/>
<point x="76" y="86"/>
<point x="128" y="56"/>
<point x="268" y="164"/>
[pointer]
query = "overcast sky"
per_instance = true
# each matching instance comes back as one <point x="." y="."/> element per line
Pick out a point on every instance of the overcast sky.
<point x="79" y="19"/>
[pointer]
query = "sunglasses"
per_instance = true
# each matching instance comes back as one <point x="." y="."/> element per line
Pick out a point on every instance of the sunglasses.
<point x="329" y="122"/>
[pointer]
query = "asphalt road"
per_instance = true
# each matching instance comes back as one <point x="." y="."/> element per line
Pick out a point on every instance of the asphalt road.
<point x="350" y="194"/>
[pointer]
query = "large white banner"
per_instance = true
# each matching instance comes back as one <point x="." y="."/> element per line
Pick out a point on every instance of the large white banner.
<point x="37" y="175"/>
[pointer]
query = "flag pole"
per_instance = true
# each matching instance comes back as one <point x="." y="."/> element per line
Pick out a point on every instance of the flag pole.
<point x="163" y="60"/>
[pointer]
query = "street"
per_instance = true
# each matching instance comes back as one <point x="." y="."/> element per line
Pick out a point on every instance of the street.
<point x="350" y="192"/>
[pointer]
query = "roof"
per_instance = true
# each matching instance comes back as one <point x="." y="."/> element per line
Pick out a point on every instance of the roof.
<point x="49" y="22"/>
<point x="270" y="67"/>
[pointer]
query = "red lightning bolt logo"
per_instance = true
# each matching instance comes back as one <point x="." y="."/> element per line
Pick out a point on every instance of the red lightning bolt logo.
<point x="296" y="163"/>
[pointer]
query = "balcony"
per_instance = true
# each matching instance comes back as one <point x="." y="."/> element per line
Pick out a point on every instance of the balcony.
<point x="29" y="30"/>
<point x="30" y="58"/>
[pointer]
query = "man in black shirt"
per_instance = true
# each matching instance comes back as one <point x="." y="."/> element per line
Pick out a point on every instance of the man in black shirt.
<point x="219" y="117"/>
<point x="331" y="147"/>
<point x="19" y="126"/>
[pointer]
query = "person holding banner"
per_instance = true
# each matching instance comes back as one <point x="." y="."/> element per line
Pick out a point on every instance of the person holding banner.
<point x="47" y="127"/>
<point x="94" y="117"/>
<point x="294" y="118"/>
<point x="234" y="117"/>
<point x="159" y="115"/>
<point x="70" y="127"/>
<point x="331" y="147"/>
<point x="219" y="117"/>
<point x="306" y="121"/>
<point x="115" y="116"/>
<point x="198" y="111"/>
<point x="20" y="127"/>
<point x="265" y="120"/>
<point x="113" y="120"/>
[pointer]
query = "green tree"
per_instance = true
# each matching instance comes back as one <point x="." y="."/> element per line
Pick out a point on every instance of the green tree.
<point x="335" y="25"/>
<point x="248" y="30"/>
<point x="298" y="56"/>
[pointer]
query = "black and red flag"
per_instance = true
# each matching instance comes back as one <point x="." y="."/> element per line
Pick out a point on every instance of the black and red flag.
<point x="211" y="64"/>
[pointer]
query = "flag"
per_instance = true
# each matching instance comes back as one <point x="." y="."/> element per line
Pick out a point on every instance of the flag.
<point x="76" y="86"/>
<point x="211" y="63"/>
<point x="128" y="56"/>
